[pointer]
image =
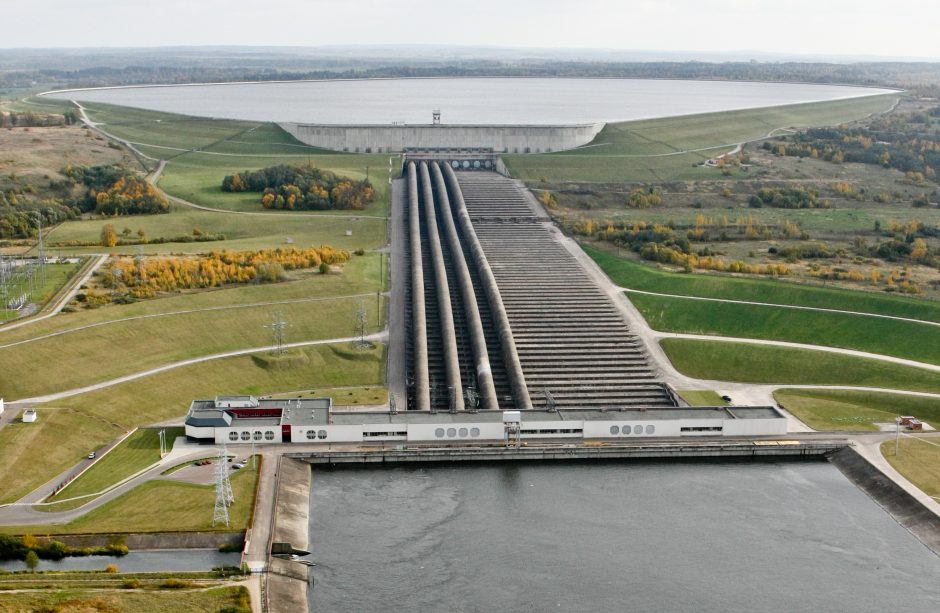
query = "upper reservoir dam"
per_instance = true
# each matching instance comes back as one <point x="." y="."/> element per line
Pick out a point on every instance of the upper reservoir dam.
<point x="507" y="115"/>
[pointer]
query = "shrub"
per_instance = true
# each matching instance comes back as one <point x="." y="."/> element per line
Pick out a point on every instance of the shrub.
<point x="130" y="584"/>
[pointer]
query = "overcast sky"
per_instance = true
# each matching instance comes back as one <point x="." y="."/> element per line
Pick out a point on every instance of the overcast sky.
<point x="819" y="27"/>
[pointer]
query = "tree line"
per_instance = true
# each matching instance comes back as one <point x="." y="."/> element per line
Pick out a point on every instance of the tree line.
<point x="145" y="277"/>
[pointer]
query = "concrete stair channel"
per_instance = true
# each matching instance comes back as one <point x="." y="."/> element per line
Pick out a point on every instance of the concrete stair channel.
<point x="564" y="333"/>
<point x="571" y="339"/>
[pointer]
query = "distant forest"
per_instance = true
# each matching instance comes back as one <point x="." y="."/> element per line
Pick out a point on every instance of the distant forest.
<point x="91" y="70"/>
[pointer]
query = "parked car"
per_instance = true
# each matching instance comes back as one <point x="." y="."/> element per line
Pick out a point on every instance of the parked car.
<point x="91" y="456"/>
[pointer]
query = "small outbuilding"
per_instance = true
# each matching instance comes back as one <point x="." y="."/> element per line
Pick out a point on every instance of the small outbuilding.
<point x="29" y="416"/>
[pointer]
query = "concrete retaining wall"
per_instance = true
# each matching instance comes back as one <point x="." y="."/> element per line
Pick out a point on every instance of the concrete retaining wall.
<point x="286" y="588"/>
<point x="396" y="138"/>
<point x="292" y="507"/>
<point x="571" y="451"/>
<point x="908" y="511"/>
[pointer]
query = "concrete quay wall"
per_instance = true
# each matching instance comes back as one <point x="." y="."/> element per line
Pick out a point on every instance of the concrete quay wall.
<point x="292" y="508"/>
<point x="397" y="138"/>
<point x="681" y="450"/>
<point x="902" y="506"/>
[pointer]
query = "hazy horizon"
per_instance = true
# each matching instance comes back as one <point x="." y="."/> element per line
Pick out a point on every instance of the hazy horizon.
<point x="842" y="29"/>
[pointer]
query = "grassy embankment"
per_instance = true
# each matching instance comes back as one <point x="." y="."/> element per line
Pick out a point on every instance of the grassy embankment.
<point x="135" y="453"/>
<point x="200" y="152"/>
<point x="76" y="597"/>
<point x="157" y="506"/>
<point x="650" y="150"/>
<point x="854" y="410"/>
<point x="918" y="460"/>
<point x="221" y="320"/>
<point x="31" y="454"/>
<point x="703" y="398"/>
<point x="726" y="361"/>
<point x="871" y="334"/>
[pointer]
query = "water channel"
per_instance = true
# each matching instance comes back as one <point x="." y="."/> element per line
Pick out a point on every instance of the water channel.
<point x="163" y="560"/>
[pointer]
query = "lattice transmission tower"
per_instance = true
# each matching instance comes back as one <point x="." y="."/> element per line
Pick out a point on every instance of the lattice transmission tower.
<point x="223" y="489"/>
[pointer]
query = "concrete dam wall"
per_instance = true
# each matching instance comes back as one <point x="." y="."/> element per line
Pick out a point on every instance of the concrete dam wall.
<point x="397" y="138"/>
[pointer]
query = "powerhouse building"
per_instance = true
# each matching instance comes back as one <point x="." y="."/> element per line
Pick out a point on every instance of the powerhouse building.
<point x="246" y="419"/>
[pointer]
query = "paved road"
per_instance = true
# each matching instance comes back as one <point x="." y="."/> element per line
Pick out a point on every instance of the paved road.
<point x="378" y="337"/>
<point x="75" y="285"/>
<point x="785" y="306"/>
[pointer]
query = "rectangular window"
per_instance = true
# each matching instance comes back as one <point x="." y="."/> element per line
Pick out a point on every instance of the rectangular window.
<point x="701" y="429"/>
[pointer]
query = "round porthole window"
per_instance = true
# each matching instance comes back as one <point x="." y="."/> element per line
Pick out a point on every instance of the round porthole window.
<point x="650" y="429"/>
<point x="321" y="433"/>
<point x="462" y="432"/>
<point x="455" y="164"/>
<point x="615" y="430"/>
<point x="638" y="429"/>
<point x="246" y="436"/>
<point x="257" y="435"/>
<point x="451" y="432"/>
<point x="233" y="436"/>
<point x="268" y="435"/>
<point x="474" y="432"/>
<point x="439" y="433"/>
<point x="311" y="434"/>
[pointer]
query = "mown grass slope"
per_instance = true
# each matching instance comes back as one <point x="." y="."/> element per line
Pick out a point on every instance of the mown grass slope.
<point x="903" y="339"/>
<point x="823" y="409"/>
<point x="633" y="275"/>
<point x="652" y="150"/>
<point x="727" y="361"/>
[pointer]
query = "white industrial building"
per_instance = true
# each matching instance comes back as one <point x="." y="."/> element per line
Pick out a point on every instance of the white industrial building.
<point x="245" y="419"/>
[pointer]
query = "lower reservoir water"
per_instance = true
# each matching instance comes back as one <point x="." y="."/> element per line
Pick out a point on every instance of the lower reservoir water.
<point x="168" y="560"/>
<point x="611" y="537"/>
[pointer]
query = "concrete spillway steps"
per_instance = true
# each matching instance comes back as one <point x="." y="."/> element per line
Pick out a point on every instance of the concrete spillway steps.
<point x="571" y="340"/>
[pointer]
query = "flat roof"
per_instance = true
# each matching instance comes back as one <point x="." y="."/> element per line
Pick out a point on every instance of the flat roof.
<point x="561" y="415"/>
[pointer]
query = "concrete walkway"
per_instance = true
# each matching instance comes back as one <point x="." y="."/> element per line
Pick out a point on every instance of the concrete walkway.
<point x="869" y="447"/>
<point x="377" y="337"/>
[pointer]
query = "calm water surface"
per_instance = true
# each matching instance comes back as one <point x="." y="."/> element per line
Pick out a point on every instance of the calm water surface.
<point x="139" y="561"/>
<point x="466" y="101"/>
<point x="611" y="537"/>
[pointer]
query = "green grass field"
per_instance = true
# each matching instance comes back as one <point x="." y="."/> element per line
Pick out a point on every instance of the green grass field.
<point x="197" y="177"/>
<point x="870" y="334"/>
<point x="31" y="454"/>
<point x="854" y="410"/>
<point x="628" y="273"/>
<point x="135" y="453"/>
<point x="360" y="275"/>
<point x="919" y="462"/>
<point x="703" y="398"/>
<point x="242" y="232"/>
<point x="159" y="506"/>
<point x="106" y="352"/>
<point x="167" y="395"/>
<point x="78" y="598"/>
<point x="621" y="152"/>
<point x="215" y="327"/>
<point x="724" y="361"/>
